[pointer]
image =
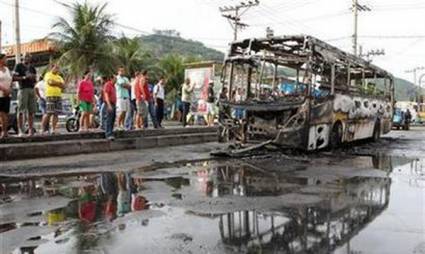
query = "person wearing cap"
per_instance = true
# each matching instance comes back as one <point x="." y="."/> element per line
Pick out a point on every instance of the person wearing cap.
<point x="26" y="75"/>
<point x="211" y="104"/>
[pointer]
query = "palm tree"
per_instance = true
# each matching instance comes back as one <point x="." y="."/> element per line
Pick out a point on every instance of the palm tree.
<point x="172" y="68"/>
<point x="84" y="39"/>
<point x="130" y="54"/>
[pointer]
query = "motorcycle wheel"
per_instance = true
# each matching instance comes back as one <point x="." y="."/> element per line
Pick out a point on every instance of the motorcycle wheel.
<point x="72" y="125"/>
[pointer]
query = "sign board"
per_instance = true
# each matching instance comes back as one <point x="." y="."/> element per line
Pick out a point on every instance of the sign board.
<point x="200" y="75"/>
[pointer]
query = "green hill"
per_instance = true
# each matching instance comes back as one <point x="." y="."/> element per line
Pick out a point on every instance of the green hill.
<point x="165" y="42"/>
<point x="404" y="90"/>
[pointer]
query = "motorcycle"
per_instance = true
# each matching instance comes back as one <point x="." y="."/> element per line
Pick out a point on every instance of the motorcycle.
<point x="73" y="122"/>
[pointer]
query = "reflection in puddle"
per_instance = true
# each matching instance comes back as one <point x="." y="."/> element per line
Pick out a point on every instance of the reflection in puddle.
<point x="234" y="206"/>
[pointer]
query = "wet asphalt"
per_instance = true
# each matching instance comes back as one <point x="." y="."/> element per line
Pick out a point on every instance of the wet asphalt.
<point x="362" y="198"/>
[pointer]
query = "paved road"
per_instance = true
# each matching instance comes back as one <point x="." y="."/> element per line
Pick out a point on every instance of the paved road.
<point x="363" y="198"/>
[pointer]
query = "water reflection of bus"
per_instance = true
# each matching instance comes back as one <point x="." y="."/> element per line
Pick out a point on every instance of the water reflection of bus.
<point x="348" y="208"/>
<point x="320" y="95"/>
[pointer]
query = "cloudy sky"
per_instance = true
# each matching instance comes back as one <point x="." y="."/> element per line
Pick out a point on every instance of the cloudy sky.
<point x="398" y="26"/>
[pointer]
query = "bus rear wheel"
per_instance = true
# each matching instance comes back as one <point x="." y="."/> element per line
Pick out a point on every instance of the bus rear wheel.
<point x="335" y="138"/>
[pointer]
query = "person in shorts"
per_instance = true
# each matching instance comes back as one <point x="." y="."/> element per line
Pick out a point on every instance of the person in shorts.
<point x="123" y="97"/>
<point x="5" y="89"/>
<point x="141" y="106"/>
<point x="26" y="75"/>
<point x="54" y="86"/>
<point x="87" y="100"/>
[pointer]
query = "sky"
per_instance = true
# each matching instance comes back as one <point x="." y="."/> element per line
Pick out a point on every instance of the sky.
<point x="397" y="26"/>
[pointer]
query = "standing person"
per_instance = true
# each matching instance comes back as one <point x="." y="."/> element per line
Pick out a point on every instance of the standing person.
<point x="211" y="104"/>
<point x="54" y="87"/>
<point x="147" y="96"/>
<point x="86" y="100"/>
<point x="110" y="100"/>
<point x="123" y="97"/>
<point x="238" y="97"/>
<point x="129" y="120"/>
<point x="223" y="94"/>
<point x="142" y="109"/>
<point x="5" y="86"/>
<point x="102" y="107"/>
<point x="26" y="75"/>
<point x="40" y="92"/>
<point x="187" y="91"/>
<point x="159" y="96"/>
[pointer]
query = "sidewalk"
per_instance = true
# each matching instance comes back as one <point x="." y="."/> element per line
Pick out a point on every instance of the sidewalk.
<point x="16" y="148"/>
<point x="112" y="161"/>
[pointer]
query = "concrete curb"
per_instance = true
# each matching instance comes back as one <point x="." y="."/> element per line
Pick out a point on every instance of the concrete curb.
<point x="19" y="151"/>
<point x="101" y="135"/>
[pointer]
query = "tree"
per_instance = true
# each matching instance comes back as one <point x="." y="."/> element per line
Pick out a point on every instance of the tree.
<point x="130" y="54"/>
<point x="84" y="40"/>
<point x="172" y="68"/>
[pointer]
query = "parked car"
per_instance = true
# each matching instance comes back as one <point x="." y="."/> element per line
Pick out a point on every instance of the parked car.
<point x="401" y="119"/>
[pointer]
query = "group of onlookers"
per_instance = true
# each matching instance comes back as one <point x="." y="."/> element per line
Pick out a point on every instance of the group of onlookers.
<point x="49" y="95"/>
<point x="132" y="102"/>
<point x="125" y="103"/>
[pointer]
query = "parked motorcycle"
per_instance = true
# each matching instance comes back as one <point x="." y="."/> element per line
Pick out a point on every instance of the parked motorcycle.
<point x="73" y="122"/>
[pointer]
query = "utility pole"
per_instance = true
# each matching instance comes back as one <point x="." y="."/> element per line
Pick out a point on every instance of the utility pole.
<point x="17" y="33"/>
<point x="414" y="71"/>
<point x="235" y="19"/>
<point x="1" y="38"/>
<point x="356" y="8"/>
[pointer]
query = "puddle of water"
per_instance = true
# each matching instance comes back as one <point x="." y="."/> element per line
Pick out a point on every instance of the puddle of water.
<point x="266" y="205"/>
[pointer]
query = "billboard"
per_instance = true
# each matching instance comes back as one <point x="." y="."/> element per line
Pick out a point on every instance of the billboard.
<point x="200" y="77"/>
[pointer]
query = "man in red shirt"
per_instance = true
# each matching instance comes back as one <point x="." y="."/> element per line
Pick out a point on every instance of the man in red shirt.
<point x="148" y="98"/>
<point x="140" y="102"/>
<point x="110" y="97"/>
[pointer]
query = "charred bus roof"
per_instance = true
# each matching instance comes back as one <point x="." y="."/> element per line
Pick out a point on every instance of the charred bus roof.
<point x="295" y="51"/>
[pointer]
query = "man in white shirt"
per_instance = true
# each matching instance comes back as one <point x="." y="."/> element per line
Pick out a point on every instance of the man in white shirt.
<point x="130" y="117"/>
<point x="159" y="96"/>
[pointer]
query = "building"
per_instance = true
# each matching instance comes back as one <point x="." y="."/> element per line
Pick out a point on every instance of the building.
<point x="42" y="51"/>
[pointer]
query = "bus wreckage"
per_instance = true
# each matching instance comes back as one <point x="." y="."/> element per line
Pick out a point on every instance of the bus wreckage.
<point x="300" y="92"/>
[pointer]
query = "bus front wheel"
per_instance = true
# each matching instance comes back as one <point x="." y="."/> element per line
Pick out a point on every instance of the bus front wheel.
<point x="335" y="138"/>
<point x="376" y="132"/>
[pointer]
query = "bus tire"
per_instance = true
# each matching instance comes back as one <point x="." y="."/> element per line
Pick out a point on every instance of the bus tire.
<point x="335" y="137"/>
<point x="376" y="132"/>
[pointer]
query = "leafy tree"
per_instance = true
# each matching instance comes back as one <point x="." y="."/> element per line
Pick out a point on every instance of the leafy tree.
<point x="172" y="68"/>
<point x="84" y="40"/>
<point x="130" y="54"/>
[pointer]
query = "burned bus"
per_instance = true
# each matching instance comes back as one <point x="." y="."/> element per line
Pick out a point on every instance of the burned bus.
<point x="300" y="92"/>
